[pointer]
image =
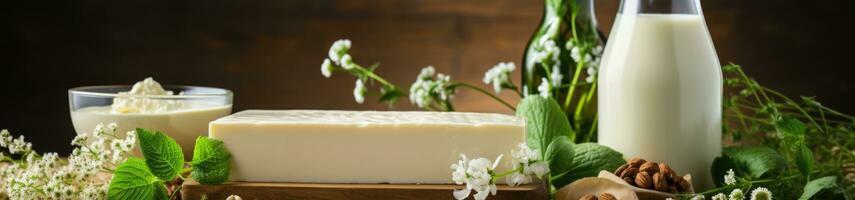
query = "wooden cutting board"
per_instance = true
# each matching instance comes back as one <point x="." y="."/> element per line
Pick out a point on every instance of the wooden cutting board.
<point x="250" y="191"/>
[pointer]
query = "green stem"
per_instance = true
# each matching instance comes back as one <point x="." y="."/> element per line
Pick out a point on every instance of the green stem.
<point x="175" y="192"/>
<point x="485" y="92"/>
<point x="570" y="91"/>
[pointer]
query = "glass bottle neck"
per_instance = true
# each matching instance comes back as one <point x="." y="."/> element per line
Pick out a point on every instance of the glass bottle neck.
<point x="660" y="7"/>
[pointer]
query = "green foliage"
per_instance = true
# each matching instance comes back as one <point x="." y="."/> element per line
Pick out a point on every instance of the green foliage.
<point x="544" y="121"/>
<point x="133" y="181"/>
<point x="162" y="154"/>
<point x="588" y="161"/>
<point x="211" y="161"/>
<point x="815" y="186"/>
<point x="755" y="161"/>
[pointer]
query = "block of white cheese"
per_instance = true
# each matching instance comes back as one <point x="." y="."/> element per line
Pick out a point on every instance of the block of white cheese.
<point x="361" y="146"/>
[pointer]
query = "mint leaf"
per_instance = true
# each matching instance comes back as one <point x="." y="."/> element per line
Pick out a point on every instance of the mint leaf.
<point x="815" y="186"/>
<point x="560" y="155"/>
<point x="755" y="161"/>
<point x="211" y="161"/>
<point x="793" y="132"/>
<point x="133" y="180"/>
<point x="588" y="161"/>
<point x="544" y="122"/>
<point x="804" y="160"/>
<point x="162" y="154"/>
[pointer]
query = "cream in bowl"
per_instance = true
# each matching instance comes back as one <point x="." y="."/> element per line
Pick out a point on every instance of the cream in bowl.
<point x="182" y="112"/>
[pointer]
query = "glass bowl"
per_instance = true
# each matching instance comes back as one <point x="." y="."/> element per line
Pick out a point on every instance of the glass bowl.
<point x="91" y="105"/>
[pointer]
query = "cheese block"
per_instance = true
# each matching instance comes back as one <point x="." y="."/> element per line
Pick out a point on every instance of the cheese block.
<point x="318" y="146"/>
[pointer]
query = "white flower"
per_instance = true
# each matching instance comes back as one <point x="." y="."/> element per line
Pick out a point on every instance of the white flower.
<point x="593" y="69"/>
<point x="730" y="177"/>
<point x="359" y="91"/>
<point x="19" y="145"/>
<point x="719" y="196"/>
<point x="597" y="50"/>
<point x="556" y="75"/>
<point x="326" y="68"/>
<point x="761" y="193"/>
<point x="669" y="198"/>
<point x="499" y="75"/>
<point x="698" y="197"/>
<point x="427" y="73"/>
<point x="80" y="139"/>
<point x="528" y="162"/>
<point x="518" y="178"/>
<point x="5" y="138"/>
<point x="338" y="49"/>
<point x="737" y="194"/>
<point x="426" y="88"/>
<point x="544" y="88"/>
<point x="347" y="62"/>
<point x="478" y="177"/>
<point x="233" y="197"/>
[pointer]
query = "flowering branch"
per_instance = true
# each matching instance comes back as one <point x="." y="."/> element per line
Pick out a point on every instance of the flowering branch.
<point x="480" y="175"/>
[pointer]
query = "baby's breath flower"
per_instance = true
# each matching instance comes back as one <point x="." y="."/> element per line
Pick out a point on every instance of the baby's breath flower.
<point x="556" y="75"/>
<point x="233" y="197"/>
<point x="499" y="75"/>
<point x="359" y="91"/>
<point x="545" y="89"/>
<point x="5" y="138"/>
<point x="20" y="146"/>
<point x="719" y="196"/>
<point x="698" y="197"/>
<point x="737" y="194"/>
<point x="761" y="193"/>
<point x="326" y="68"/>
<point x="347" y="62"/>
<point x="730" y="177"/>
<point x="427" y="88"/>
<point x="478" y="176"/>
<point x="338" y="49"/>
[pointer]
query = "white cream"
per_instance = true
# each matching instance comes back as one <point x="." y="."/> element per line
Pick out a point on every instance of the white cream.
<point x="181" y="119"/>
<point x="660" y="92"/>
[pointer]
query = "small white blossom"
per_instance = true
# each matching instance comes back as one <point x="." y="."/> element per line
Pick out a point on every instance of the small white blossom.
<point x="499" y="75"/>
<point x="719" y="196"/>
<point x="427" y="88"/>
<point x="529" y="164"/>
<point x="19" y="145"/>
<point x="338" y="49"/>
<point x="347" y="62"/>
<point x="737" y="194"/>
<point x="233" y="197"/>
<point x="545" y="89"/>
<point x="359" y="91"/>
<point x="326" y="68"/>
<point x="698" y="197"/>
<point x="556" y="75"/>
<point x="730" y="177"/>
<point x="761" y="193"/>
<point x="478" y="177"/>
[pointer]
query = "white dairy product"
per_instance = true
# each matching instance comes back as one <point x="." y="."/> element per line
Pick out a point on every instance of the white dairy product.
<point x="361" y="146"/>
<point x="660" y="92"/>
<point x="183" y="120"/>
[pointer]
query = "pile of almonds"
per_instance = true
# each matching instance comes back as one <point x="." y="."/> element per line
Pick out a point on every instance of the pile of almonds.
<point x="651" y="175"/>
<point x="603" y="196"/>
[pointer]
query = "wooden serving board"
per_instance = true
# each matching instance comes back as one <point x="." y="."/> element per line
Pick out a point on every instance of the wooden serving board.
<point x="251" y="191"/>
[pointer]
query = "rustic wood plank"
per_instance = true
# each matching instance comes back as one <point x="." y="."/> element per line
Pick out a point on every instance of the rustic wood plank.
<point x="247" y="190"/>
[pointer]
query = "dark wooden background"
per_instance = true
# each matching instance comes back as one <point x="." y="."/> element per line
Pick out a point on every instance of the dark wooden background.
<point x="268" y="52"/>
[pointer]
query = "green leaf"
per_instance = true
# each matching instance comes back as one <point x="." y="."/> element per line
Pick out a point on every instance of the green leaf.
<point x="133" y="180"/>
<point x="815" y="186"/>
<point x="755" y="161"/>
<point x="211" y="161"/>
<point x="162" y="154"/>
<point x="560" y="154"/>
<point x="544" y="122"/>
<point x="792" y="130"/>
<point x="719" y="168"/>
<point x="804" y="160"/>
<point x="588" y="161"/>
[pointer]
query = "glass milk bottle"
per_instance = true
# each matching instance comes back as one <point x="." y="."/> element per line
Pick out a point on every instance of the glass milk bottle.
<point x="661" y="87"/>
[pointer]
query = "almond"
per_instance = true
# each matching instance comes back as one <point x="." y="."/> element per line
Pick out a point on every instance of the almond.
<point x="649" y="167"/>
<point x="588" y="197"/>
<point x="635" y="162"/>
<point x="659" y="182"/>
<point x="607" y="196"/>
<point x="643" y="180"/>
<point x="620" y="169"/>
<point x="629" y="172"/>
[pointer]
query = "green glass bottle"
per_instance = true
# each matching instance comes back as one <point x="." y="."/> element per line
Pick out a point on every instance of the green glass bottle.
<point x="561" y="61"/>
